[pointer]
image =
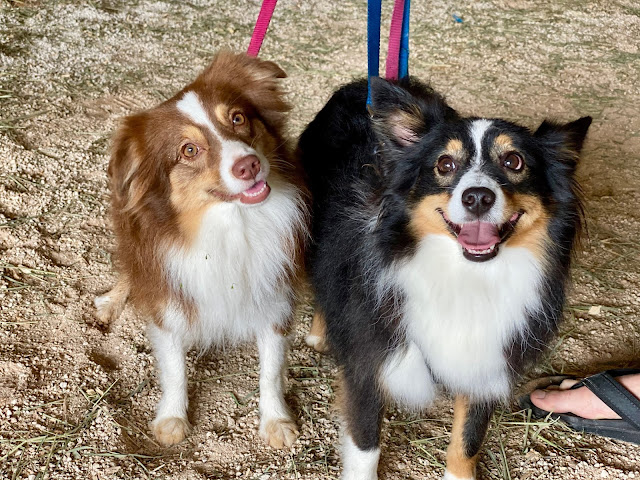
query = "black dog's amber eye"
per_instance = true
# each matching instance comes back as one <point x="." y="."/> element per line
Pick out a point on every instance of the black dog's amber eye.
<point x="446" y="165"/>
<point x="513" y="161"/>
<point x="189" y="150"/>
<point x="238" y="119"/>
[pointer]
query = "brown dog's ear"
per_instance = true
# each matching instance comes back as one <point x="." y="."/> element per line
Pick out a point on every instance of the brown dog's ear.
<point x="265" y="91"/>
<point x="127" y="180"/>
<point x="237" y="68"/>
<point x="257" y="80"/>
<point x="269" y="69"/>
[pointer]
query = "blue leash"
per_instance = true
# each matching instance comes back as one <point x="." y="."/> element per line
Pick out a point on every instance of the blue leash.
<point x="404" y="42"/>
<point x="374" y="11"/>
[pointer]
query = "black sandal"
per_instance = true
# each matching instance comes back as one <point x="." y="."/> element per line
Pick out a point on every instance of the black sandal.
<point x="613" y="394"/>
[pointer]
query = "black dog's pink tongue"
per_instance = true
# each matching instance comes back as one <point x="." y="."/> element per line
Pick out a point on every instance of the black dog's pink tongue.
<point x="478" y="235"/>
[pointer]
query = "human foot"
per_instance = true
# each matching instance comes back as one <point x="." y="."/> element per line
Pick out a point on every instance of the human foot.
<point x="581" y="401"/>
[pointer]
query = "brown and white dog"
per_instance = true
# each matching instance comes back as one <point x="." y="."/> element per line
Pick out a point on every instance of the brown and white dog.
<point x="210" y="219"/>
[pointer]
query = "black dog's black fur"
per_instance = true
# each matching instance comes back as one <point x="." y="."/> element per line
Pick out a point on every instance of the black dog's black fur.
<point x="366" y="182"/>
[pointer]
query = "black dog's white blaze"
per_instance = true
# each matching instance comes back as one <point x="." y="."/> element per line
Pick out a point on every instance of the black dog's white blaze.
<point x="477" y="177"/>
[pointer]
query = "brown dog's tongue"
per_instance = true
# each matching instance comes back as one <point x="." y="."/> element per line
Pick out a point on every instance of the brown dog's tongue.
<point x="478" y="235"/>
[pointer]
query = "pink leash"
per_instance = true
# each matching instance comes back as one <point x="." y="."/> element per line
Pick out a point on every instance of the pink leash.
<point x="260" y="30"/>
<point x="395" y="34"/>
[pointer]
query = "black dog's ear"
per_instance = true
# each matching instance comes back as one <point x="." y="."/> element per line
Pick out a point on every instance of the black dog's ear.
<point x="566" y="139"/>
<point x="404" y="114"/>
<point x="561" y="145"/>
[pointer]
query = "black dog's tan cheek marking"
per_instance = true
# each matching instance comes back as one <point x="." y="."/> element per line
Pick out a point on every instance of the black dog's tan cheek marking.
<point x="425" y="218"/>
<point x="458" y="463"/>
<point x="532" y="229"/>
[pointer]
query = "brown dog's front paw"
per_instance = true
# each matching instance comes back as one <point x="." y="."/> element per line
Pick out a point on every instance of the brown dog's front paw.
<point x="279" y="433"/>
<point x="169" y="431"/>
<point x="107" y="310"/>
<point x="110" y="305"/>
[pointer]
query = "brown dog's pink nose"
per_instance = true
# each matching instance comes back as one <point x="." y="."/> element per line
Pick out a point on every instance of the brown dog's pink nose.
<point x="246" y="168"/>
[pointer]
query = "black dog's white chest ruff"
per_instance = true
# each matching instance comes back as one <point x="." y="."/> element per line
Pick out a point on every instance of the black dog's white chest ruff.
<point x="461" y="320"/>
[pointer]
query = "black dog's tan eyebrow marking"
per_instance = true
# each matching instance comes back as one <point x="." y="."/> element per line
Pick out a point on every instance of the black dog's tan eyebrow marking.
<point x="504" y="140"/>
<point x="501" y="144"/>
<point x="454" y="148"/>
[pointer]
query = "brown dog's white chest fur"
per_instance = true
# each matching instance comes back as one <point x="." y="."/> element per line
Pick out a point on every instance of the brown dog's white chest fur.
<point x="236" y="271"/>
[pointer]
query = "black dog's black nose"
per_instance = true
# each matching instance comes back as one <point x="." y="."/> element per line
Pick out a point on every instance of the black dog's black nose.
<point x="478" y="200"/>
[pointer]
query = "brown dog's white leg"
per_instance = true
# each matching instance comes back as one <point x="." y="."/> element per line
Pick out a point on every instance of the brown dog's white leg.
<point x="170" y="425"/>
<point x="277" y="427"/>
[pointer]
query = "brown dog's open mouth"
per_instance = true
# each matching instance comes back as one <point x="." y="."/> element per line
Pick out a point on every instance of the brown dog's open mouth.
<point x="255" y="194"/>
<point x="480" y="241"/>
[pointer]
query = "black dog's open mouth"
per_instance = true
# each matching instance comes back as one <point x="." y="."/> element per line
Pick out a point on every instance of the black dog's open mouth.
<point x="480" y="241"/>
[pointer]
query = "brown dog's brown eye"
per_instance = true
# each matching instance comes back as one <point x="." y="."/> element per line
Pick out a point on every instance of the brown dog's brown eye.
<point x="446" y="165"/>
<point x="513" y="161"/>
<point x="238" y="119"/>
<point x="189" y="150"/>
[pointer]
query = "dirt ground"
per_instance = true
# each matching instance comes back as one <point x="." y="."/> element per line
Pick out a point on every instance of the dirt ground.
<point x="76" y="400"/>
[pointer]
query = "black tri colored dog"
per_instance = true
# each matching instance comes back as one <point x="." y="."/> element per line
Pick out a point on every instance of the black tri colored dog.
<point x="441" y="248"/>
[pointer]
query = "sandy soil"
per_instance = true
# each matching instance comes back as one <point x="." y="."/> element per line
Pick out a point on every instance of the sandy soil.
<point x="76" y="400"/>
